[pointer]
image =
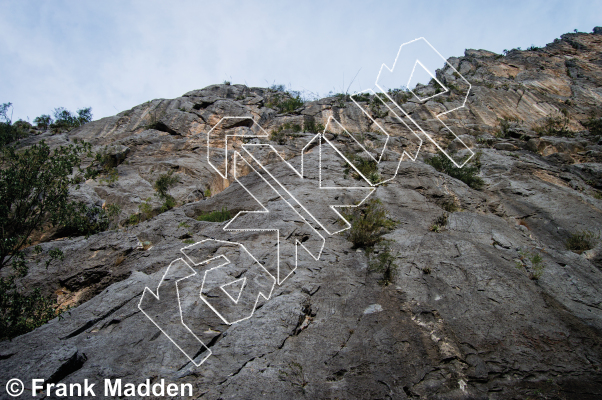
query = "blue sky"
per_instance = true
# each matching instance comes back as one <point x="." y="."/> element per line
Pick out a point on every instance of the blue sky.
<point x="113" y="55"/>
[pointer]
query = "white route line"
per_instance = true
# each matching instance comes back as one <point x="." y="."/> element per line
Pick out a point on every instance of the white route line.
<point x="267" y="297"/>
<point x="290" y="200"/>
<point x="385" y="131"/>
<point x="283" y="187"/>
<point x="242" y="286"/>
<point x="225" y="176"/>
<point x="383" y="91"/>
<point x="265" y="210"/>
<point x="156" y="296"/>
<point x="432" y="77"/>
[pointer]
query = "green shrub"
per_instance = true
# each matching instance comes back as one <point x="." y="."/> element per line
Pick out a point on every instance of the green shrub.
<point x="146" y="210"/>
<point x="441" y="220"/>
<point x="486" y="142"/>
<point x="84" y="115"/>
<point x="433" y="82"/>
<point x="594" y="126"/>
<point x="555" y="125"/>
<point x="435" y="228"/>
<point x="43" y="121"/>
<point x="384" y="262"/>
<point x="439" y="223"/>
<point x="85" y="221"/>
<point x="34" y="191"/>
<point x="162" y="185"/>
<point x="341" y="99"/>
<point x="113" y="211"/>
<point x="362" y="97"/>
<point x="450" y="206"/>
<point x="310" y="125"/>
<point x="505" y="126"/>
<point x="23" y="127"/>
<point x="20" y="313"/>
<point x="279" y="135"/>
<point x="283" y="101"/>
<point x="145" y="213"/>
<point x="104" y="160"/>
<point x="367" y="166"/>
<point x="537" y="266"/>
<point x="4" y="112"/>
<point x="467" y="174"/>
<point x="111" y="176"/>
<point x="168" y="204"/>
<point x="132" y="220"/>
<point x="9" y="132"/>
<point x="368" y="223"/>
<point x="582" y="241"/>
<point x="277" y="88"/>
<point x="105" y="166"/>
<point x="291" y="104"/>
<point x="66" y="120"/>
<point x="401" y="95"/>
<point x="377" y="108"/>
<point x="215" y="216"/>
<point x="294" y="375"/>
<point x="532" y="262"/>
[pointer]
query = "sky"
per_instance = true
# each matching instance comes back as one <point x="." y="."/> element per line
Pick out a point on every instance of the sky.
<point x="114" y="55"/>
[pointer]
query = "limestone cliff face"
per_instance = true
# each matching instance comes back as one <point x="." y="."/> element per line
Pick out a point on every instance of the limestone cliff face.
<point x="464" y="317"/>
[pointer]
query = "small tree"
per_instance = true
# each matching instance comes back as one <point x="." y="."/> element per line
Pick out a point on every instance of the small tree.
<point x="3" y="112"/>
<point x="368" y="223"/>
<point x="34" y="191"/>
<point x="21" y="313"/>
<point x="162" y="186"/>
<point x="8" y="132"/>
<point x="43" y="121"/>
<point x="384" y="262"/>
<point x="84" y="115"/>
<point x="65" y="119"/>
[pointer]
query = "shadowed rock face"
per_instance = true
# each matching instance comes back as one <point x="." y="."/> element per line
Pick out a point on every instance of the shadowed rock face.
<point x="462" y="318"/>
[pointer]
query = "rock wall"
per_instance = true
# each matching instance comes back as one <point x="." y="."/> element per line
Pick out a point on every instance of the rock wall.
<point x="463" y="317"/>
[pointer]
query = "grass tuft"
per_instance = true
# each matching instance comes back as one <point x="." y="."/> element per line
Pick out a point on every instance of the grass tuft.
<point x="581" y="241"/>
<point x="467" y="174"/>
<point x="215" y="216"/>
<point x="439" y="223"/>
<point x="367" y="166"/>
<point x="384" y="262"/>
<point x="555" y="125"/>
